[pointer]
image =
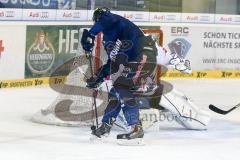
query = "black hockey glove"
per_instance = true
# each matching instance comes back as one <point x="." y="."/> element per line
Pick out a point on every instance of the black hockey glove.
<point x="94" y="82"/>
<point x="87" y="41"/>
<point x="99" y="78"/>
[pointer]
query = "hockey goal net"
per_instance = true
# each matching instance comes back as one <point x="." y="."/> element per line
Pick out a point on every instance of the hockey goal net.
<point x="76" y="109"/>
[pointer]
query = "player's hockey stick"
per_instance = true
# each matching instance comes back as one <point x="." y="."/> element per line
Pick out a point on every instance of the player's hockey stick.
<point x="220" y="111"/>
<point x="95" y="92"/>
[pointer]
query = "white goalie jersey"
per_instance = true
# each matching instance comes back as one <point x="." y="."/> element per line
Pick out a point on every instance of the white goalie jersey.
<point x="172" y="60"/>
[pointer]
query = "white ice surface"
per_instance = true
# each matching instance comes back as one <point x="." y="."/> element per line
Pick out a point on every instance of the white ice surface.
<point x="21" y="139"/>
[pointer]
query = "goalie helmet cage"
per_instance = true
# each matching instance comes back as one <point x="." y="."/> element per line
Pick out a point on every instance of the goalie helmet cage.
<point x="82" y="104"/>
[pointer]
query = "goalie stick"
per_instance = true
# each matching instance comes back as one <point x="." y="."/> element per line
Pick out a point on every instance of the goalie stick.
<point x="220" y="111"/>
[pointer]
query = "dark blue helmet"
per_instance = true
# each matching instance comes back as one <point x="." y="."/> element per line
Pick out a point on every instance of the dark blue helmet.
<point x="99" y="12"/>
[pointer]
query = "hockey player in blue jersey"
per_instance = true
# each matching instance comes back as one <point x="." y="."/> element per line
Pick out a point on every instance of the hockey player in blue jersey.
<point x="131" y="64"/>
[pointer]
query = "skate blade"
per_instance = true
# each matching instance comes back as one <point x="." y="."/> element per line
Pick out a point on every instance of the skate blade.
<point x="132" y="142"/>
<point x="103" y="139"/>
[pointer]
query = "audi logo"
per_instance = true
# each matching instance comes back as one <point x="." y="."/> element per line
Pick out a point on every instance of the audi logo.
<point x="139" y="16"/>
<point x="10" y="13"/>
<point x="76" y="15"/>
<point x="44" y="15"/>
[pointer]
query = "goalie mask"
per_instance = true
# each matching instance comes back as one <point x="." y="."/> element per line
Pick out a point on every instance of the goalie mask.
<point x="99" y="12"/>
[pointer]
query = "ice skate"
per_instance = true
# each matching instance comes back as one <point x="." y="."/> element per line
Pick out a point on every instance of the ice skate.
<point x="101" y="133"/>
<point x="133" y="138"/>
<point x="103" y="130"/>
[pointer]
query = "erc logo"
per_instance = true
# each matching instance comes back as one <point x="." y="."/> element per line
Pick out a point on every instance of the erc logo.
<point x="179" y="46"/>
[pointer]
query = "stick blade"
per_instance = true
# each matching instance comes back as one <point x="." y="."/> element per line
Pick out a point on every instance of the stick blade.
<point x="217" y="110"/>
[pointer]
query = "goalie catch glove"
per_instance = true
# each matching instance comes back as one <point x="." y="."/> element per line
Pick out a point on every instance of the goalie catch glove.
<point x="181" y="65"/>
<point x="87" y="41"/>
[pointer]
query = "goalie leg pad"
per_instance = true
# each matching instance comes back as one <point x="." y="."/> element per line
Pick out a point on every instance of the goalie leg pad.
<point x="185" y="111"/>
